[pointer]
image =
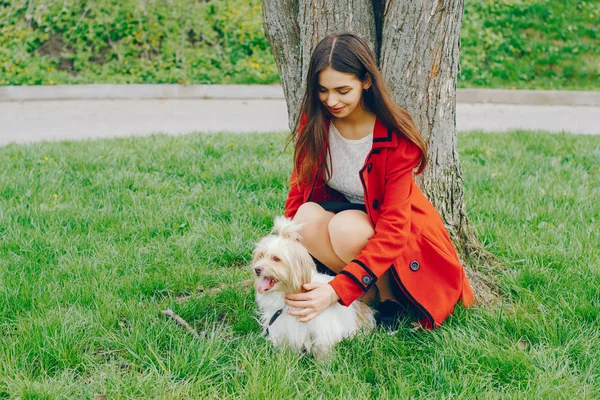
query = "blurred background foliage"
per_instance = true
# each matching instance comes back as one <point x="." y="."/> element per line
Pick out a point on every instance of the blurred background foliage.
<point x="533" y="44"/>
<point x="537" y="44"/>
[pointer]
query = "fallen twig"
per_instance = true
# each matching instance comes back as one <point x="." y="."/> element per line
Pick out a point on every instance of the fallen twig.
<point x="169" y="313"/>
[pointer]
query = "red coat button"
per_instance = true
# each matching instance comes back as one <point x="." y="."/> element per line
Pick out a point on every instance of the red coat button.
<point x="414" y="265"/>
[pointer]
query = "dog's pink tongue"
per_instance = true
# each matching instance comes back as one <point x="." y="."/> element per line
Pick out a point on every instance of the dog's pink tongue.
<point x="265" y="284"/>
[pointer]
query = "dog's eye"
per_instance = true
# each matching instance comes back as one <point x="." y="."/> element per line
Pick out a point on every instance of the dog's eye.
<point x="275" y="258"/>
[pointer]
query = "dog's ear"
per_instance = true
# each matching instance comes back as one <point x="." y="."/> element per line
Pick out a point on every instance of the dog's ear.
<point x="287" y="228"/>
<point x="302" y="266"/>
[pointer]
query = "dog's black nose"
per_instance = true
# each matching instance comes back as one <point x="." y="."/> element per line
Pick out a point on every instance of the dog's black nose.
<point x="258" y="271"/>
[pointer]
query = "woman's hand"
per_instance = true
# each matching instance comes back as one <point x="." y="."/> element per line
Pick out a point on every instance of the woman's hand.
<point x="319" y="297"/>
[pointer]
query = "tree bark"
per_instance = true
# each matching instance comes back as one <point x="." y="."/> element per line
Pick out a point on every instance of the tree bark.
<point x="416" y="43"/>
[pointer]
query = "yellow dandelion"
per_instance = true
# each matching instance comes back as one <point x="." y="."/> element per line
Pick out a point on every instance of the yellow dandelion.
<point x="52" y="82"/>
<point x="55" y="196"/>
<point x="46" y="158"/>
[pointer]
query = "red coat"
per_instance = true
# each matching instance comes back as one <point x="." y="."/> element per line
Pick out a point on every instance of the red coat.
<point x="410" y="236"/>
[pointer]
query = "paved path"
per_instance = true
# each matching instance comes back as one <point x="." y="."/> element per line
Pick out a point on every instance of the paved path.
<point x="29" y="121"/>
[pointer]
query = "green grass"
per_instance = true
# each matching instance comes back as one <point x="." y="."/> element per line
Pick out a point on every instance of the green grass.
<point x="97" y="237"/>
<point x="533" y="44"/>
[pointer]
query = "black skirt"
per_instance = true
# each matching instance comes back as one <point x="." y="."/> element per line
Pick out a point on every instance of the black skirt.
<point x="336" y="207"/>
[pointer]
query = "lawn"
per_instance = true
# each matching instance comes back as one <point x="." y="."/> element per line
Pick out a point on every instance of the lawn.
<point x="97" y="237"/>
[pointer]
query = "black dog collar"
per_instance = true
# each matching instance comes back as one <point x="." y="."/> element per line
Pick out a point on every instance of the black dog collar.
<point x="274" y="318"/>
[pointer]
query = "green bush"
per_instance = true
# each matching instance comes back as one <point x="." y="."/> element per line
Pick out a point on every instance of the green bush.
<point x="538" y="44"/>
<point x="133" y="41"/>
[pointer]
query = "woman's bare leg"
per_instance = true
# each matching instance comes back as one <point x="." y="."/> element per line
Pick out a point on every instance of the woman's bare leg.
<point x="349" y="233"/>
<point x="315" y="234"/>
<point x="335" y="239"/>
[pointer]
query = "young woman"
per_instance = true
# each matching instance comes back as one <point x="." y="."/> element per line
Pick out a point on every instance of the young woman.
<point x="352" y="187"/>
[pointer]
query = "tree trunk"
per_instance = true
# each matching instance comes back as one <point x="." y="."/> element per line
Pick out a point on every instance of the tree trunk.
<point x="416" y="43"/>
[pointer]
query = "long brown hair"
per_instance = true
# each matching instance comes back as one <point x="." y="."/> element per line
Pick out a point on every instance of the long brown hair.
<point x="345" y="53"/>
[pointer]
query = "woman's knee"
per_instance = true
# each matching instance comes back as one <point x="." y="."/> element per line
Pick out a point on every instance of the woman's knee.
<point x="349" y="232"/>
<point x="308" y="211"/>
<point x="314" y="221"/>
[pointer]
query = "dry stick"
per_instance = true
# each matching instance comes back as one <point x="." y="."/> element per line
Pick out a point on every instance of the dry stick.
<point x="169" y="313"/>
<point x="214" y="44"/>
<point x="87" y="9"/>
<point x="145" y="52"/>
<point x="111" y="43"/>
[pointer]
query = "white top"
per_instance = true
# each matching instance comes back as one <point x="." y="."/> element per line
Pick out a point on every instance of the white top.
<point x="347" y="158"/>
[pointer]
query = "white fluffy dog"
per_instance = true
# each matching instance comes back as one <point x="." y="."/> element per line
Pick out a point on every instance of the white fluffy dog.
<point x="281" y="265"/>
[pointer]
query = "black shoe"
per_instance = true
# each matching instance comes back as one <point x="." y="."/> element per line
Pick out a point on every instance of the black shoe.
<point x="388" y="314"/>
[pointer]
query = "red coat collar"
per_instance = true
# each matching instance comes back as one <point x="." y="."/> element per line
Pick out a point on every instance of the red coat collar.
<point x="382" y="136"/>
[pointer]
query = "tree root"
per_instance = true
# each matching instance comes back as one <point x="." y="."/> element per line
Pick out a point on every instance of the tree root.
<point x="480" y="266"/>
